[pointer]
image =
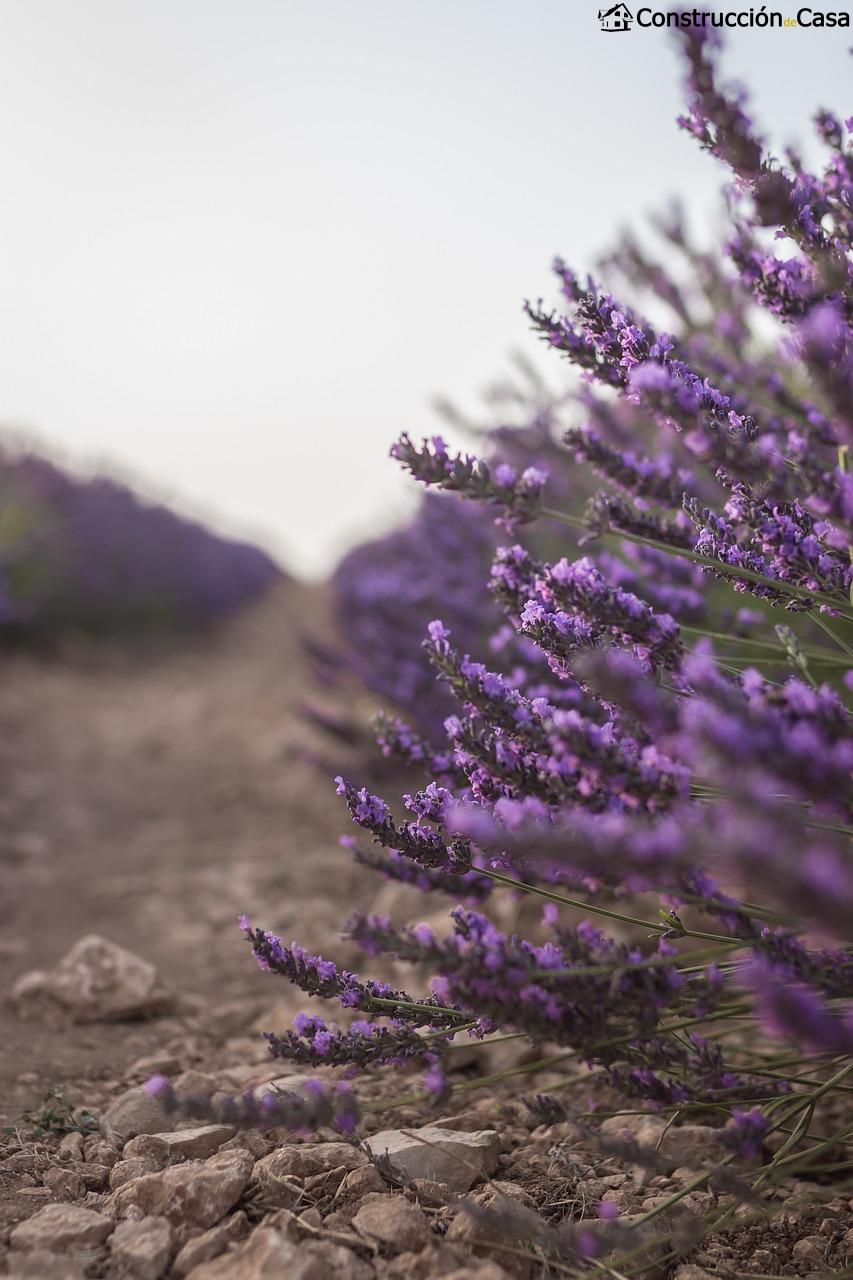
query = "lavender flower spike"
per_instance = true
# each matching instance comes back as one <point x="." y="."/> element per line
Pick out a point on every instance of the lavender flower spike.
<point x="318" y="1105"/>
<point x="519" y="494"/>
<point x="319" y="977"/>
<point x="421" y="843"/>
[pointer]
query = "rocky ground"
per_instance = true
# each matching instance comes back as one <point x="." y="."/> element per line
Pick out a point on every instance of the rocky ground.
<point x="149" y="798"/>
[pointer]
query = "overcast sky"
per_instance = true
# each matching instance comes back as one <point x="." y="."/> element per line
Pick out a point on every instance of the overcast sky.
<point x="243" y="244"/>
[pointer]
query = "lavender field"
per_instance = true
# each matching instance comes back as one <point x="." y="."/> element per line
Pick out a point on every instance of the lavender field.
<point x="484" y="912"/>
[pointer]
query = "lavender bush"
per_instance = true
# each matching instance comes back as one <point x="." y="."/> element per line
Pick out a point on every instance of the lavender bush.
<point x="89" y="555"/>
<point x="672" y="721"/>
<point x="386" y="591"/>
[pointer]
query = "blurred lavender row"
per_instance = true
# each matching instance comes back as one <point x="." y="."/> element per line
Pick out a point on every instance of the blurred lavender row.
<point x="89" y="555"/>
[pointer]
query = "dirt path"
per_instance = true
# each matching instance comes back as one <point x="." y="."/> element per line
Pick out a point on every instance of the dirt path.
<point x="152" y="798"/>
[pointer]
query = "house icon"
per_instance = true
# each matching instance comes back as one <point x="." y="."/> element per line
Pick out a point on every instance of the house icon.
<point x="619" y="18"/>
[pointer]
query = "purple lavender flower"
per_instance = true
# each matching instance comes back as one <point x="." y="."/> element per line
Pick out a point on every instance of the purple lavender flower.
<point x="393" y="866"/>
<point x="317" y="976"/>
<point x="518" y="494"/>
<point x="790" y="543"/>
<point x="314" y="1042"/>
<point x="611" y="513"/>
<point x="654" y="479"/>
<point x="318" y="1105"/>
<point x="745" y="1133"/>
<point x="797" y="1012"/>
<point x="718" y="540"/>
<point x="581" y="586"/>
<point x="420" y="843"/>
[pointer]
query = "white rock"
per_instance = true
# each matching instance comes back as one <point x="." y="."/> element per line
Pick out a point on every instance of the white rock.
<point x="321" y="1258"/>
<point x="97" y="981"/>
<point x="210" y="1244"/>
<point x="124" y="1171"/>
<point x="198" y="1193"/>
<point x="142" y="1249"/>
<point x="305" y="1159"/>
<point x="196" y="1144"/>
<point x="392" y="1221"/>
<point x="195" y="1084"/>
<point x="644" y="1129"/>
<point x="147" y="1146"/>
<point x="696" y="1145"/>
<point x="360" y="1182"/>
<point x="63" y="1182"/>
<point x="41" y="1265"/>
<point x="510" y="1220"/>
<point x="97" y="1151"/>
<point x="266" y="1255"/>
<point x="809" y="1249"/>
<point x="691" y="1145"/>
<point x="58" y="1227"/>
<point x="454" y="1158"/>
<point x="133" y="1113"/>
<point x="71" y="1146"/>
<point x="281" y="1174"/>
